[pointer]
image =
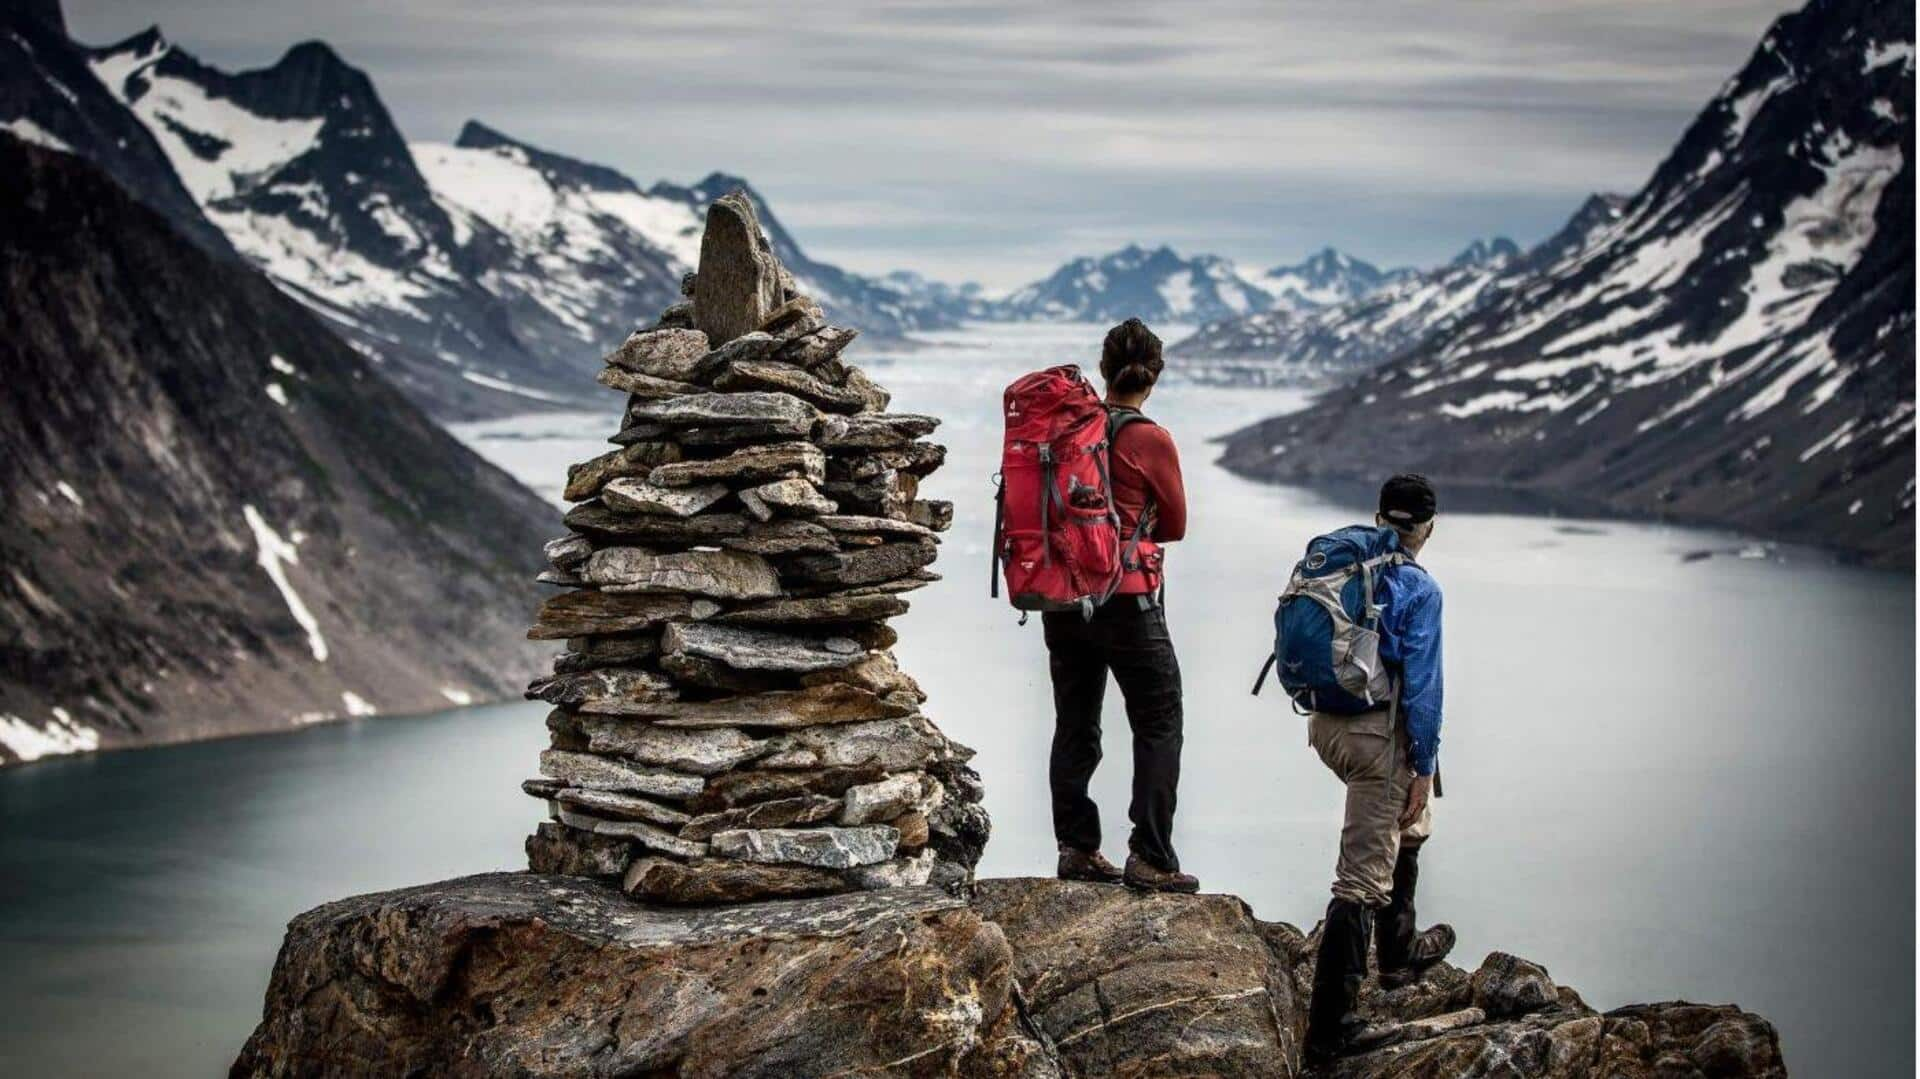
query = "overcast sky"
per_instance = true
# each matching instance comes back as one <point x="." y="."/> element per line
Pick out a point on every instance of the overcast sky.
<point x="994" y="141"/>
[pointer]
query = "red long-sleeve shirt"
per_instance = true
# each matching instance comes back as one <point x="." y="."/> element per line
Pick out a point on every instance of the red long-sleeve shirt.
<point x="1146" y="466"/>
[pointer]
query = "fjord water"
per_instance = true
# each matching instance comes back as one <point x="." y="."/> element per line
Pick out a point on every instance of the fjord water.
<point x="1666" y="776"/>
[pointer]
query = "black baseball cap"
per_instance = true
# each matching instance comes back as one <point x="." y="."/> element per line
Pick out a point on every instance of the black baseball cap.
<point x="1408" y="499"/>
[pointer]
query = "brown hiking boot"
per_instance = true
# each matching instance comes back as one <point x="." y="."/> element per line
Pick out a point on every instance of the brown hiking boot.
<point x="1427" y="949"/>
<point x="1087" y="865"/>
<point x="1150" y="878"/>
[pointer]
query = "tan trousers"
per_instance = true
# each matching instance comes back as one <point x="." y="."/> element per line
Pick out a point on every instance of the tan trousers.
<point x="1369" y="753"/>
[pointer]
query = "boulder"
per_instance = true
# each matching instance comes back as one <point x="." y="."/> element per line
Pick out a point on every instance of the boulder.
<point x="738" y="284"/>
<point x="1508" y="985"/>
<point x="538" y="976"/>
<point x="749" y="465"/>
<point x="671" y="354"/>
<point x="729" y="575"/>
<point x="1123" y="982"/>
<point x="748" y="649"/>
<point x="632" y="494"/>
<point x="826" y="848"/>
<point x="586" y="613"/>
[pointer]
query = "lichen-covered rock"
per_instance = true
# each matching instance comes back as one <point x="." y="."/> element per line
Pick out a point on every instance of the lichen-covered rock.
<point x="537" y="976"/>
<point x="631" y="494"/>
<point x="1125" y="983"/>
<point x="728" y="575"/>
<point x="671" y="354"/>
<point x="739" y="280"/>
<point x="827" y="847"/>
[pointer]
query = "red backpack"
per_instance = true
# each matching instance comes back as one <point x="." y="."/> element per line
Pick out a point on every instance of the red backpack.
<point x="1056" y="532"/>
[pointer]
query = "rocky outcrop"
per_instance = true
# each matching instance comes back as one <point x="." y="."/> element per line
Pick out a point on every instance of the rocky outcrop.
<point x="533" y="975"/>
<point x="729" y="724"/>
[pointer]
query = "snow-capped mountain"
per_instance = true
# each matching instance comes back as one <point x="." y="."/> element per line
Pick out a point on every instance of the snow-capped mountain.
<point x="1133" y="282"/>
<point x="220" y="519"/>
<point x="1306" y="344"/>
<point x="482" y="276"/>
<point x="1737" y="347"/>
<point x="1323" y="279"/>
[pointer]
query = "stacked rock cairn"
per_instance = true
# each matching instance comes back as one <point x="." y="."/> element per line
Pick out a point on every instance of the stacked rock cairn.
<point x="729" y="723"/>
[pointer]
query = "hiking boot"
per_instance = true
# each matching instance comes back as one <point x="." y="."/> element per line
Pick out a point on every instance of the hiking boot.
<point x="1146" y="877"/>
<point x="1087" y="865"/>
<point x="1337" y="973"/>
<point x="1403" y="953"/>
<point x="1427" y="950"/>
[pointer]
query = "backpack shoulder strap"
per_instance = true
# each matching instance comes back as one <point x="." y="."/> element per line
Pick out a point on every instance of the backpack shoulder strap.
<point x="1118" y="418"/>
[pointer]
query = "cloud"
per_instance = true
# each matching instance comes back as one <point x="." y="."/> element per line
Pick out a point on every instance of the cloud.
<point x="995" y="140"/>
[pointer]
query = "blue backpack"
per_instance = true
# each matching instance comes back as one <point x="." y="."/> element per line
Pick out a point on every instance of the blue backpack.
<point x="1326" y="631"/>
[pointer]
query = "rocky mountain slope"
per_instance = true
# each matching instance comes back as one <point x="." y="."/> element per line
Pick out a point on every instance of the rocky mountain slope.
<point x="1737" y="348"/>
<point x="221" y="519"/>
<point x="1133" y="282"/>
<point x="513" y="973"/>
<point x="483" y="277"/>
<point x="1306" y="343"/>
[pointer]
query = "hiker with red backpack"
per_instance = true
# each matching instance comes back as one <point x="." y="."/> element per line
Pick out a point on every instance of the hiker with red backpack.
<point x="1090" y="491"/>
<point x="1357" y="649"/>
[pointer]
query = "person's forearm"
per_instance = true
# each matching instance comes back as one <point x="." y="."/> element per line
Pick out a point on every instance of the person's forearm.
<point x="1423" y="732"/>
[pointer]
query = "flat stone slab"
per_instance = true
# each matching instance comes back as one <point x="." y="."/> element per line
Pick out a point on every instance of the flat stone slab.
<point x="646" y="387"/>
<point x="632" y="494"/>
<point x="792" y="496"/>
<point x="748" y="649"/>
<point x="779" y="813"/>
<point x="616" y="805"/>
<point x="705" y="529"/>
<point x="869" y="565"/>
<point x="703" y="752"/>
<point x="786" y="535"/>
<point x="818" y="346"/>
<point x="874" y="431"/>
<point x="826" y="848"/>
<point x="671" y="354"/>
<point x="748" y="465"/>
<point x="602" y="684"/>
<point x="603" y="773"/>
<point x="640" y="833"/>
<point x="890" y="745"/>
<point x="728" y="575"/>
<point x="778" y="710"/>
<point x="778" y="412"/>
<point x="747" y="375"/>
<point x="892" y="797"/>
<point x="587" y="613"/>
<point x="823" y="610"/>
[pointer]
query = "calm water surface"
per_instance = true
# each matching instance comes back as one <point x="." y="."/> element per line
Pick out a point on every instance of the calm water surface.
<point x="1665" y="778"/>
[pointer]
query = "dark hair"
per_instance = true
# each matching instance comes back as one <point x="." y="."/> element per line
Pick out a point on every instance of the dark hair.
<point x="1130" y="360"/>
<point x="1408" y="501"/>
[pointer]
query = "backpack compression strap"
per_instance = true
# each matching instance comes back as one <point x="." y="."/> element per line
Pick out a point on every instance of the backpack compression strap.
<point x="1118" y="419"/>
<point x="999" y="526"/>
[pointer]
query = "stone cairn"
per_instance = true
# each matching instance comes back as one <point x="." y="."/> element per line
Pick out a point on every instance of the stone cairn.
<point x="729" y="723"/>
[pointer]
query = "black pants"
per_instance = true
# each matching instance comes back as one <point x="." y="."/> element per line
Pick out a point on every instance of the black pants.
<point x="1133" y="643"/>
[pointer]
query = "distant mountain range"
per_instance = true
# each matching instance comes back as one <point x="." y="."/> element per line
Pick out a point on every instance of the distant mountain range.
<point x="1734" y="345"/>
<point x="1133" y="282"/>
<point x="483" y="276"/>
<point x="1344" y="316"/>
<point x="219" y="518"/>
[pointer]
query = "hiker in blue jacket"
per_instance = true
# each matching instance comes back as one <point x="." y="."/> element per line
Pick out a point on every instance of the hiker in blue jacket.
<point x="1388" y="758"/>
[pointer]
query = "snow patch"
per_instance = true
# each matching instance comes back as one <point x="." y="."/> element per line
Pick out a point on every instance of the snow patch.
<point x="58" y="736"/>
<point x="459" y="697"/>
<point x="357" y="705"/>
<point x="275" y="555"/>
<point x="504" y="386"/>
<point x="279" y="394"/>
<point x="67" y="492"/>
<point x="28" y="131"/>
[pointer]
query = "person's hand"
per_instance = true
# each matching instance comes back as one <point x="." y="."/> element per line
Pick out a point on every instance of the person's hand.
<point x="1416" y="800"/>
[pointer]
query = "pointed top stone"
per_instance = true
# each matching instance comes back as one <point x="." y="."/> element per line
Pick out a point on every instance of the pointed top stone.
<point x="738" y="283"/>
